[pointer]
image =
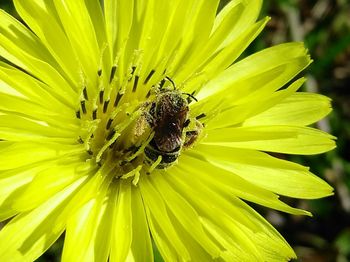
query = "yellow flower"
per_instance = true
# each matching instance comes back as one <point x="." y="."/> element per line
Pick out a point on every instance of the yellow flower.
<point x="128" y="123"/>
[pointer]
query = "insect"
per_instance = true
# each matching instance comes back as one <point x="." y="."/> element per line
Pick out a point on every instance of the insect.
<point x="168" y="116"/>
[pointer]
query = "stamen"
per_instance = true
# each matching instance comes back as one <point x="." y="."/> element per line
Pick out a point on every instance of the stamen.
<point x="117" y="99"/>
<point x="85" y="93"/>
<point x="201" y="116"/>
<point x="83" y="107"/>
<point x="161" y="84"/>
<point x="133" y="173"/>
<point x="140" y="149"/>
<point x="149" y="76"/>
<point x="187" y="122"/>
<point x="109" y="123"/>
<point x="133" y="68"/>
<point x="114" y="69"/>
<point x="105" y="106"/>
<point x="110" y="135"/>
<point x="148" y="93"/>
<point x="101" y="96"/>
<point x="77" y="114"/>
<point x="135" y="84"/>
<point x="155" y="164"/>
<point x="94" y="114"/>
<point x="114" y="137"/>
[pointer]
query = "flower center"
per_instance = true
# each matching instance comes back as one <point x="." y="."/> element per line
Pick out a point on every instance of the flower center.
<point x="134" y="127"/>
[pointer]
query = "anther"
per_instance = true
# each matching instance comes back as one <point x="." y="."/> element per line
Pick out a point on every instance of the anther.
<point x="90" y="152"/>
<point x="201" y="116"/>
<point x="149" y="76"/>
<point x="94" y="114"/>
<point x="112" y="145"/>
<point x="110" y="135"/>
<point x="133" y="70"/>
<point x="135" y="83"/>
<point x="187" y="122"/>
<point x="85" y="93"/>
<point x="161" y="84"/>
<point x="117" y="99"/>
<point x="99" y="72"/>
<point x="109" y="123"/>
<point x="113" y="70"/>
<point x="101" y="96"/>
<point x="105" y="106"/>
<point x="80" y="140"/>
<point x="83" y="107"/>
<point x="77" y="114"/>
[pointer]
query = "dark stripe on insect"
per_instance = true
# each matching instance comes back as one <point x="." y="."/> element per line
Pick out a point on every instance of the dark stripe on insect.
<point x="105" y="106"/>
<point x="94" y="114"/>
<point x="149" y="76"/>
<point x="83" y="107"/>
<point x="113" y="70"/>
<point x="85" y="93"/>
<point x="135" y="83"/>
<point x="201" y="116"/>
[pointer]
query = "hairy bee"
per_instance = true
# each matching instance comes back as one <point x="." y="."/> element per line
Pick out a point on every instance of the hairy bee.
<point x="168" y="116"/>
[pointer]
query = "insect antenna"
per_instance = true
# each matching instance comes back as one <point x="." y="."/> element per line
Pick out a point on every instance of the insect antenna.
<point x="190" y="96"/>
<point x="171" y="81"/>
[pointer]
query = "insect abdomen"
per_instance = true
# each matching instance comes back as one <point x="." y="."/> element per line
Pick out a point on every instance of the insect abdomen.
<point x="168" y="158"/>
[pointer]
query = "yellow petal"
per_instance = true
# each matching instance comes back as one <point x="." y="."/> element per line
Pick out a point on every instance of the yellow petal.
<point x="122" y="224"/>
<point x="263" y="170"/>
<point x="281" y="139"/>
<point x="30" y="153"/>
<point x="185" y="214"/>
<point x="230" y="184"/>
<point x="238" y="114"/>
<point x="140" y="231"/>
<point x="257" y="74"/>
<point x="21" y="242"/>
<point x="49" y="181"/>
<point x="41" y="17"/>
<point x="299" y="109"/>
<point x="80" y="31"/>
<point x="88" y="232"/>
<point x="22" y="48"/>
<point x="160" y="224"/>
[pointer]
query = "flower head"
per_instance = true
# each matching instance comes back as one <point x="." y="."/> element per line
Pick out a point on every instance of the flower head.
<point x="128" y="123"/>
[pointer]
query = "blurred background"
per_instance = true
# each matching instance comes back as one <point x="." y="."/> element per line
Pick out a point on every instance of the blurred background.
<point x="324" y="26"/>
